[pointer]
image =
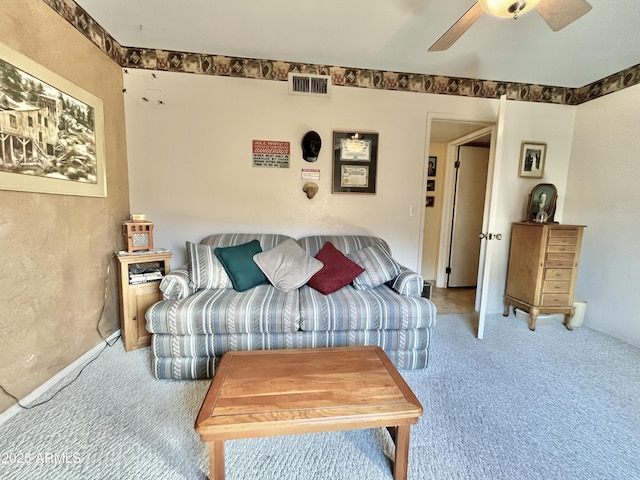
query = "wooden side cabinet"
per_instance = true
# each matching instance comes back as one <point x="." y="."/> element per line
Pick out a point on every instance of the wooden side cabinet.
<point x="543" y="265"/>
<point x="140" y="275"/>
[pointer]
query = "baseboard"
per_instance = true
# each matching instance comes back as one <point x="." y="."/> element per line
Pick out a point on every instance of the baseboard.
<point x="623" y="338"/>
<point x="57" y="378"/>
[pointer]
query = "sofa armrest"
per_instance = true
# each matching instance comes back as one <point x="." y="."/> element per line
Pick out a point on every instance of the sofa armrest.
<point x="175" y="284"/>
<point x="408" y="283"/>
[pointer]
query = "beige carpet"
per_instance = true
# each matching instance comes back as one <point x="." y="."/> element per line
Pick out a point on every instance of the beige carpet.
<point x="549" y="404"/>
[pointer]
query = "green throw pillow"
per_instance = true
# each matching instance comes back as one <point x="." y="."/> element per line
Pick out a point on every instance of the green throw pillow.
<point x="240" y="266"/>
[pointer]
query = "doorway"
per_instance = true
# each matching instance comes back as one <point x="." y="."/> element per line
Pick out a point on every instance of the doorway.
<point x="468" y="208"/>
<point x="443" y="228"/>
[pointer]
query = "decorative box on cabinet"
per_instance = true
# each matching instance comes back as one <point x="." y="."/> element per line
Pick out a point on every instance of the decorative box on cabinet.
<point x="543" y="264"/>
<point x="138" y="291"/>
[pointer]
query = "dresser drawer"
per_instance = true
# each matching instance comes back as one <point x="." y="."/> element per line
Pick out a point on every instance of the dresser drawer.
<point x="563" y="232"/>
<point x="563" y="241"/>
<point x="551" y="286"/>
<point x="558" y="274"/>
<point x="562" y="248"/>
<point x="556" y="300"/>
<point x="560" y="260"/>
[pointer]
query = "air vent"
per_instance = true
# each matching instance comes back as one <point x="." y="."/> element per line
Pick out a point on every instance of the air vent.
<point x="309" y="84"/>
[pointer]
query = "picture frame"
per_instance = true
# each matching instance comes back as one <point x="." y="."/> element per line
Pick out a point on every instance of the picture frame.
<point x="532" y="159"/>
<point x="430" y="201"/>
<point x="355" y="162"/>
<point x="431" y="185"/>
<point x="52" y="131"/>
<point x="431" y="166"/>
<point x="542" y="195"/>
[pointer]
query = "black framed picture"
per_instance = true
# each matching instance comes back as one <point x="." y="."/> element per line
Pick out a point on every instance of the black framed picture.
<point x="431" y="166"/>
<point x="431" y="185"/>
<point x="532" y="157"/>
<point x="430" y="201"/>
<point x="542" y="203"/>
<point x="355" y="162"/>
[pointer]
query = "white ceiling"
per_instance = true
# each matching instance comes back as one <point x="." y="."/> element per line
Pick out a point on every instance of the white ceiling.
<point x="445" y="132"/>
<point x="390" y="35"/>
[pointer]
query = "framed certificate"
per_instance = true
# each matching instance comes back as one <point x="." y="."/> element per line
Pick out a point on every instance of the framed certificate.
<point x="354" y="176"/>
<point x="355" y="162"/>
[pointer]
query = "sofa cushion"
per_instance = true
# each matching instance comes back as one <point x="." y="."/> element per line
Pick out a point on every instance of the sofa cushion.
<point x="183" y="368"/>
<point x="378" y="308"/>
<point x="213" y="311"/>
<point x="344" y="243"/>
<point x="203" y="345"/>
<point x="240" y="266"/>
<point x="287" y="266"/>
<point x="205" y="271"/>
<point x="337" y="272"/>
<point x="379" y="267"/>
<point x="267" y="240"/>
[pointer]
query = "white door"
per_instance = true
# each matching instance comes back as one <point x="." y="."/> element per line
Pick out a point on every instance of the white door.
<point x="470" y="189"/>
<point x="489" y="220"/>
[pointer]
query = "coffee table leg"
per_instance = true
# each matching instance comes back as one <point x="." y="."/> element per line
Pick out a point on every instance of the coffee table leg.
<point x="216" y="460"/>
<point x="401" y="463"/>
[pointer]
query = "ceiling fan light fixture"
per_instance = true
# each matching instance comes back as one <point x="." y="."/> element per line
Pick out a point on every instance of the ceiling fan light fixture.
<point x="507" y="8"/>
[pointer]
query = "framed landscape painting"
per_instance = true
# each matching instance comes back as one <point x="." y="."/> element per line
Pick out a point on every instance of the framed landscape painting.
<point x="51" y="131"/>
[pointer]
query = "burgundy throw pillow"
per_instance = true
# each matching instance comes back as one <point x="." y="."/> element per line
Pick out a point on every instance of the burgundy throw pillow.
<point x="337" y="272"/>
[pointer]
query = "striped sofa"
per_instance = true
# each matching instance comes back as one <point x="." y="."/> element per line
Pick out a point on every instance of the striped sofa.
<point x="192" y="328"/>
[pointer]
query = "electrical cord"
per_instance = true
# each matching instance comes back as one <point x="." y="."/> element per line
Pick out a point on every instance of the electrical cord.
<point x="29" y="407"/>
<point x="104" y="303"/>
<point x="107" y="344"/>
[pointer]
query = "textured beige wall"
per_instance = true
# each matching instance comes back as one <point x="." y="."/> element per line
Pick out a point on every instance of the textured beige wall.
<point x="55" y="249"/>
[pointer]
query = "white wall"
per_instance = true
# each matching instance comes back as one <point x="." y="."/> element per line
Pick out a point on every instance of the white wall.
<point x="433" y="215"/>
<point x="603" y="193"/>
<point x="190" y="171"/>
<point x="190" y="165"/>
<point x="533" y="122"/>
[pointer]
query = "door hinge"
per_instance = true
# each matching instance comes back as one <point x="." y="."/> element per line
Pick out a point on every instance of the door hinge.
<point x="448" y="270"/>
<point x="457" y="164"/>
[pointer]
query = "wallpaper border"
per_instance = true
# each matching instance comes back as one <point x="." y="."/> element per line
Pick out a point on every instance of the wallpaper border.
<point x="206" y="64"/>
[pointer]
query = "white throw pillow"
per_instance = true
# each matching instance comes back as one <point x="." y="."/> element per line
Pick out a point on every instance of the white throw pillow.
<point x="287" y="265"/>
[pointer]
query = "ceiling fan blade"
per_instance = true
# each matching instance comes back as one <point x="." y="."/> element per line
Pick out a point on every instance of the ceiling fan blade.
<point x="560" y="13"/>
<point x="457" y="30"/>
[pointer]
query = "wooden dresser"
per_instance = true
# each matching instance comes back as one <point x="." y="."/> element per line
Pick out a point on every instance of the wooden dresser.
<point x="543" y="264"/>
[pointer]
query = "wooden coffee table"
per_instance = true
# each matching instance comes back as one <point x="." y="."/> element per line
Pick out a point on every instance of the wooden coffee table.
<point x="280" y="392"/>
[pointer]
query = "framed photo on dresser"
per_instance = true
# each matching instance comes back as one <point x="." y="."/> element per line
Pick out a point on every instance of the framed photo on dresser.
<point x="542" y="203"/>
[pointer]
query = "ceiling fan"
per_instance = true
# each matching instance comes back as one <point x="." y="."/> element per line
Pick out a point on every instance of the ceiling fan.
<point x="557" y="13"/>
